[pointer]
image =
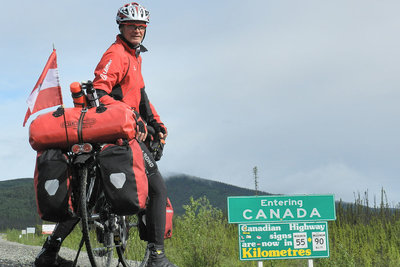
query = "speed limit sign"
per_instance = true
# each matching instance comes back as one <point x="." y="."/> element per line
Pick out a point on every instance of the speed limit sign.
<point x="300" y="240"/>
<point x="319" y="241"/>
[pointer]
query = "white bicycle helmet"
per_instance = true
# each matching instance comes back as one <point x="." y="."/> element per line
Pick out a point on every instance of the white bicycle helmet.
<point x="133" y="11"/>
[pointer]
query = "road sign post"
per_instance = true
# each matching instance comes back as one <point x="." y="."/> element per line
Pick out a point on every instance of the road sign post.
<point x="30" y="230"/>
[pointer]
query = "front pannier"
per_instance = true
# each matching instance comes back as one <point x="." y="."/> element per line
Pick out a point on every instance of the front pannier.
<point x="95" y="125"/>
<point x="52" y="183"/>
<point x="169" y="214"/>
<point x="124" y="177"/>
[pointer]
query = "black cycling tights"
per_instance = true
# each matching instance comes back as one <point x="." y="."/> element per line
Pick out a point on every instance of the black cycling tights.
<point x="63" y="229"/>
<point x="155" y="210"/>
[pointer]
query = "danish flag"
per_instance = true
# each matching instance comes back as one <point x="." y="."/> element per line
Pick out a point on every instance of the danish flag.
<point x="47" y="91"/>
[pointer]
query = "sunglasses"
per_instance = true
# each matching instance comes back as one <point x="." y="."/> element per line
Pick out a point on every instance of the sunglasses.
<point x="135" y="26"/>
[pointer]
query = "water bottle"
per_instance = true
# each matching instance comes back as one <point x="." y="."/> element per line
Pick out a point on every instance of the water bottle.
<point x="78" y="95"/>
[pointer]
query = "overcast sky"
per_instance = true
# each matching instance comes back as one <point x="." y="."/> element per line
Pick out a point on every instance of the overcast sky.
<point x="307" y="91"/>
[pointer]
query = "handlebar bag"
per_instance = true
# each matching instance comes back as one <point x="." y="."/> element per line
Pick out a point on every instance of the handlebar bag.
<point x="124" y="177"/>
<point x="52" y="183"/>
<point x="104" y="124"/>
<point x="169" y="213"/>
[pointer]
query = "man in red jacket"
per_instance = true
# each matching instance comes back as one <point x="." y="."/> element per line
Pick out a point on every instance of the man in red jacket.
<point x="118" y="80"/>
<point x="118" y="75"/>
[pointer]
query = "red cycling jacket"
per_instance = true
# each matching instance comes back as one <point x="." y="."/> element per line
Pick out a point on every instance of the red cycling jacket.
<point x="118" y="77"/>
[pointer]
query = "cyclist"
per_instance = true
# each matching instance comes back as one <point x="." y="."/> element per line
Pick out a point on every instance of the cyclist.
<point x="118" y="79"/>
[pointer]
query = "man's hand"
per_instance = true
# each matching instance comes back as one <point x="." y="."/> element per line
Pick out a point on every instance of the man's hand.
<point x="141" y="131"/>
<point x="162" y="135"/>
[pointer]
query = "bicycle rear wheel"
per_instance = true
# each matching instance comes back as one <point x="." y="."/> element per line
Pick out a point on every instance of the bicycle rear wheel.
<point x="121" y="240"/>
<point x="96" y="234"/>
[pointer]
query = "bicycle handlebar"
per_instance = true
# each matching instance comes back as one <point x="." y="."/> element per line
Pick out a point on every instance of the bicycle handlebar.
<point x="151" y="130"/>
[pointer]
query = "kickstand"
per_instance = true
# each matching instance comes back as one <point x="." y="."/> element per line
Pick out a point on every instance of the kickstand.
<point x="77" y="254"/>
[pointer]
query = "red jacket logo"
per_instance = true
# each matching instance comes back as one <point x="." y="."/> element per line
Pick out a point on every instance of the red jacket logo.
<point x="103" y="75"/>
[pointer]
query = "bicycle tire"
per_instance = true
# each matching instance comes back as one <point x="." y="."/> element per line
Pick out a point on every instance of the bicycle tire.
<point x="145" y="258"/>
<point x="121" y="242"/>
<point x="98" y="239"/>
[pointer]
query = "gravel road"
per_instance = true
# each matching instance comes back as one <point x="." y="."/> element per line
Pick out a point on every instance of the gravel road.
<point x="18" y="255"/>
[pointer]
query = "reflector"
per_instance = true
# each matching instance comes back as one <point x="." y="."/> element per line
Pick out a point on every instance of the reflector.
<point x="81" y="148"/>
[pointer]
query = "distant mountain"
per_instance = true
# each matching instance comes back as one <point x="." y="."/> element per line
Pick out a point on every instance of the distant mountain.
<point x="182" y="187"/>
<point x="18" y="204"/>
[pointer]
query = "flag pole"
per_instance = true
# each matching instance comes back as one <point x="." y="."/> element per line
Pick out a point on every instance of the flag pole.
<point x="58" y="80"/>
<point x="65" y="124"/>
<point x="62" y="105"/>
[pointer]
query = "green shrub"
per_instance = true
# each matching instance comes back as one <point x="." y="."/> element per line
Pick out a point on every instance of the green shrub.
<point x="202" y="237"/>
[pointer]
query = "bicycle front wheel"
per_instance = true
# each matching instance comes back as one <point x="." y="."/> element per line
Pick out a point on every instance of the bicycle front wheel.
<point x="96" y="234"/>
<point x="127" y="225"/>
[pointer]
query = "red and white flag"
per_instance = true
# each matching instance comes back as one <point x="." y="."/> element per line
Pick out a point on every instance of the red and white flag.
<point x="47" y="91"/>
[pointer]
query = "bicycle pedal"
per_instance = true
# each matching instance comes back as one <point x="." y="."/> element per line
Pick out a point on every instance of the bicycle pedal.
<point x="100" y="252"/>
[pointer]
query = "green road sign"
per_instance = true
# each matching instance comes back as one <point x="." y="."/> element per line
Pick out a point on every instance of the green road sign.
<point x="256" y="209"/>
<point x="292" y="240"/>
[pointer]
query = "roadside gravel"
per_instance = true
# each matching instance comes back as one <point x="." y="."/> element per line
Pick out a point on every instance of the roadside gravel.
<point x="14" y="254"/>
<point x="19" y="255"/>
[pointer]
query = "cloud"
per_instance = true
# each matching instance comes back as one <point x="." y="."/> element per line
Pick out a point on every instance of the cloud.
<point x="336" y="178"/>
<point x="307" y="91"/>
<point x="17" y="159"/>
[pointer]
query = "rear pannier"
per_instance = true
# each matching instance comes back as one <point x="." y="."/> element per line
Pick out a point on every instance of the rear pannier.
<point x="124" y="177"/>
<point x="52" y="183"/>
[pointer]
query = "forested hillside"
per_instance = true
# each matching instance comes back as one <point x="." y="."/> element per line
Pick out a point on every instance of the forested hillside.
<point x="361" y="236"/>
<point x="182" y="187"/>
<point x="18" y="205"/>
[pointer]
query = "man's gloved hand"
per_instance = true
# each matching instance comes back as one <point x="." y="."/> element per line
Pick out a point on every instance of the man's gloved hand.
<point x="156" y="145"/>
<point x="141" y="129"/>
<point x="156" y="148"/>
<point x="161" y="131"/>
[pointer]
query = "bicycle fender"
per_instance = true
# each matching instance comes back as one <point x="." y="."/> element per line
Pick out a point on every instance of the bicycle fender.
<point x="82" y="158"/>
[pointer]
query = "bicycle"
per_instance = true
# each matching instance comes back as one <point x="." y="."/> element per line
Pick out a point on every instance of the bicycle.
<point x="102" y="231"/>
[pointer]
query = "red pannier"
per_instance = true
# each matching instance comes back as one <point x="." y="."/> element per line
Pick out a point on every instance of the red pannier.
<point x="95" y="125"/>
<point x="52" y="182"/>
<point x="169" y="213"/>
<point x="168" y="219"/>
<point x="124" y="177"/>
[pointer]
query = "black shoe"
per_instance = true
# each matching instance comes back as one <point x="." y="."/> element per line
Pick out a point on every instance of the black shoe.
<point x="48" y="256"/>
<point x="157" y="257"/>
<point x="58" y="262"/>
